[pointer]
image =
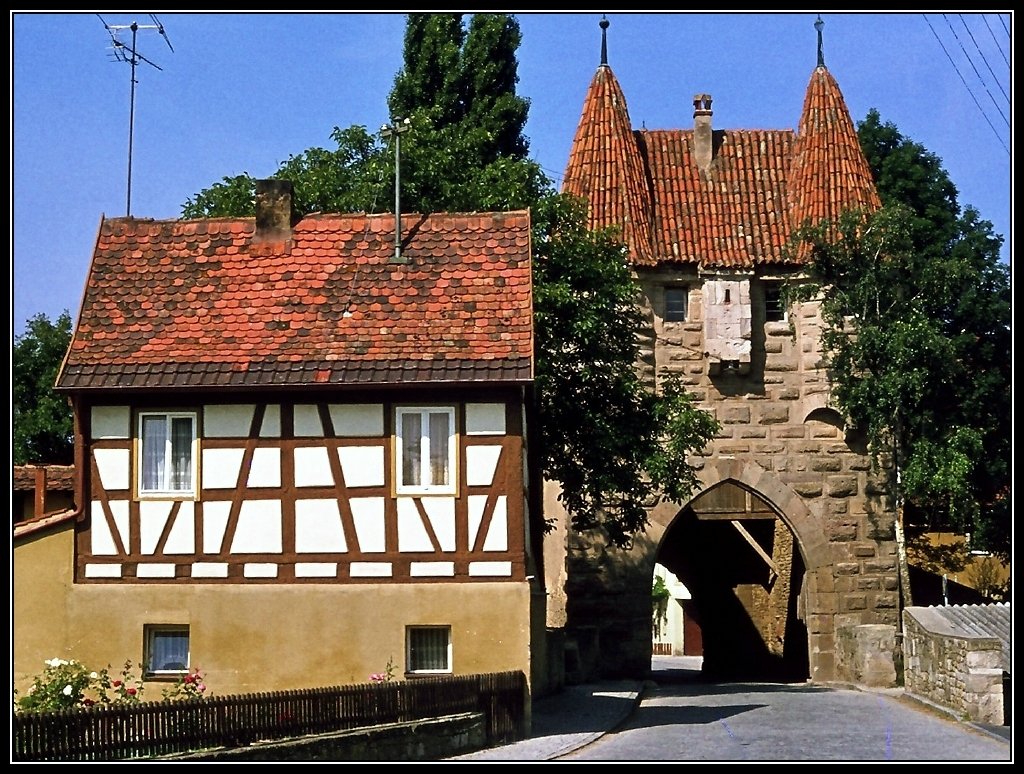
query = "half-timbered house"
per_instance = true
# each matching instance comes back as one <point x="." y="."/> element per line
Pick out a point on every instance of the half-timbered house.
<point x="302" y="452"/>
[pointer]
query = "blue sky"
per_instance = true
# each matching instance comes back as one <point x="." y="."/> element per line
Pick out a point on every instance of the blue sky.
<point x="242" y="92"/>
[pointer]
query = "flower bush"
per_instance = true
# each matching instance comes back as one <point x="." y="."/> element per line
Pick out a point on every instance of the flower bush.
<point x="67" y="683"/>
<point x="126" y="689"/>
<point x="387" y="675"/>
<point x="190" y="685"/>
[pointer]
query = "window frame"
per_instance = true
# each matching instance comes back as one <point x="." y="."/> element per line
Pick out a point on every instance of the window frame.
<point x="450" y="488"/>
<point x="150" y="633"/>
<point x="685" y="298"/>
<point x="167" y="493"/>
<point x="773" y="300"/>
<point x="410" y="667"/>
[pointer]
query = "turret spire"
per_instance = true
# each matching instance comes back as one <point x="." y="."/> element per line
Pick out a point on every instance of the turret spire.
<point x="821" y="54"/>
<point x="604" y="40"/>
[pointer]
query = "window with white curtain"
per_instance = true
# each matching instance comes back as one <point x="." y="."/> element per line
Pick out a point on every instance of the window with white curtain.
<point x="167" y="649"/>
<point x="425" y="450"/>
<point x="428" y="649"/>
<point x="167" y="453"/>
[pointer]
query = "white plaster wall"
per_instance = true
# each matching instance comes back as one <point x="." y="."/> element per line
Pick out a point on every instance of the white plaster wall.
<point x="265" y="470"/>
<point x="312" y="467"/>
<point x="221" y="468"/>
<point x="307" y="421"/>
<point x="215" y="522"/>
<point x="111" y="422"/>
<point x="271" y="427"/>
<point x="368" y="517"/>
<point x="358" y="419"/>
<point x="113" y="467"/>
<point x="481" y="462"/>
<point x="485" y="418"/>
<point x="318" y="527"/>
<point x="259" y="528"/>
<point x="362" y="465"/>
<point x="227" y="421"/>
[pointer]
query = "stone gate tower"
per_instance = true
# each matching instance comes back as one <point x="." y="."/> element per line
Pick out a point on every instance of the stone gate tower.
<point x="788" y="547"/>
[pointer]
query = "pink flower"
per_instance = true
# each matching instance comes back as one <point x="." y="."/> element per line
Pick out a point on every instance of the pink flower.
<point x="201" y="687"/>
<point x="132" y="691"/>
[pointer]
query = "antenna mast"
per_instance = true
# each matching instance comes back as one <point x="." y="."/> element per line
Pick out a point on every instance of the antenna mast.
<point x="396" y="130"/>
<point x="130" y="54"/>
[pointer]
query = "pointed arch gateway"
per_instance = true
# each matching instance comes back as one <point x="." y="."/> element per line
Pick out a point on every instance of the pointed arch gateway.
<point x="751" y="554"/>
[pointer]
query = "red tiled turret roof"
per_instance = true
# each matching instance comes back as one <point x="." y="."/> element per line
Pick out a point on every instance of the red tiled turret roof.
<point x="829" y="173"/>
<point x="739" y="211"/>
<point x="198" y="303"/>
<point x="605" y="166"/>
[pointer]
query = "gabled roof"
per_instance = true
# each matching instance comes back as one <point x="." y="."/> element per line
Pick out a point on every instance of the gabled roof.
<point x="199" y="303"/>
<point x="739" y="212"/>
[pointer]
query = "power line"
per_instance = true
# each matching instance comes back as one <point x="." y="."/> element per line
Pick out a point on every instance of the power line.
<point x="971" y="61"/>
<point x="983" y="57"/>
<point x="957" y="70"/>
<point x="996" y="40"/>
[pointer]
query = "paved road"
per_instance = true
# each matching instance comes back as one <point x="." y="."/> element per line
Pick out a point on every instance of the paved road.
<point x="681" y="718"/>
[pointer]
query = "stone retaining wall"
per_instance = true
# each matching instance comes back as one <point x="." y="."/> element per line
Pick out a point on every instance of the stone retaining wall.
<point x="960" y="673"/>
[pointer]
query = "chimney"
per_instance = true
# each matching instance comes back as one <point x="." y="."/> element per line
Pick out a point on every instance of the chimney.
<point x="273" y="211"/>
<point x="40" y="492"/>
<point x="702" y="131"/>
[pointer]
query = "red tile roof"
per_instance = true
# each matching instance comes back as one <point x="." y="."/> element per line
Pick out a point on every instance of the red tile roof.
<point x="59" y="478"/>
<point x="741" y="212"/>
<point x="198" y="303"/>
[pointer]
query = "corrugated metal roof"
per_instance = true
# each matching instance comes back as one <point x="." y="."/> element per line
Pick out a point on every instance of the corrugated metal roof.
<point x="993" y="620"/>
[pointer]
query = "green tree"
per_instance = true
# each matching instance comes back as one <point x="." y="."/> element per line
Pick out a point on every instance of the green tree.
<point x="42" y="420"/>
<point x="972" y="308"/>
<point x="897" y="369"/>
<point x="610" y="442"/>
<point x="431" y="76"/>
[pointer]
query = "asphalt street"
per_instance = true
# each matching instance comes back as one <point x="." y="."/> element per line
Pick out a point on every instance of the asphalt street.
<point x="678" y="716"/>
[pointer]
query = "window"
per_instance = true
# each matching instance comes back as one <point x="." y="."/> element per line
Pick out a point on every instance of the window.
<point x="167" y="453"/>
<point x="675" y="304"/>
<point x="425" y="456"/>
<point x="774" y="309"/>
<point x="166" y="650"/>
<point x="429" y="649"/>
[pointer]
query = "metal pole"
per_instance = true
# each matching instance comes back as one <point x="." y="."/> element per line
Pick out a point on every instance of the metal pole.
<point x="131" y="119"/>
<point x="398" y="207"/>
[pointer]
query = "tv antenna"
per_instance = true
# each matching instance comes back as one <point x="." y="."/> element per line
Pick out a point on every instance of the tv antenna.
<point x="129" y="53"/>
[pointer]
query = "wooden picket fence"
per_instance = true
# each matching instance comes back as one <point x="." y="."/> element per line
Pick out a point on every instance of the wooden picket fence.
<point x="148" y="729"/>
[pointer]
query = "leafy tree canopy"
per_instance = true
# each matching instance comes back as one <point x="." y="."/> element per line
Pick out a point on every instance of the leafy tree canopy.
<point x="610" y="442"/>
<point x="917" y="338"/>
<point x="42" y="420"/>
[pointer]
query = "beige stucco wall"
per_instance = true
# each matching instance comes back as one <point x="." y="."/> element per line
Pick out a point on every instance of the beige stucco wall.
<point x="258" y="637"/>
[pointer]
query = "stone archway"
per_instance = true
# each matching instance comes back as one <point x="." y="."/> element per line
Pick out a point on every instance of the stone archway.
<point x="814" y="585"/>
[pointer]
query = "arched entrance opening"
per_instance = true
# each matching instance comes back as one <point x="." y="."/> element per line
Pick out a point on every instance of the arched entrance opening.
<point x="742" y="570"/>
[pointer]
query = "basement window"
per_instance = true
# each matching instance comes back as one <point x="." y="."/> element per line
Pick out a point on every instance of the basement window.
<point x="428" y="649"/>
<point x="166" y="650"/>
